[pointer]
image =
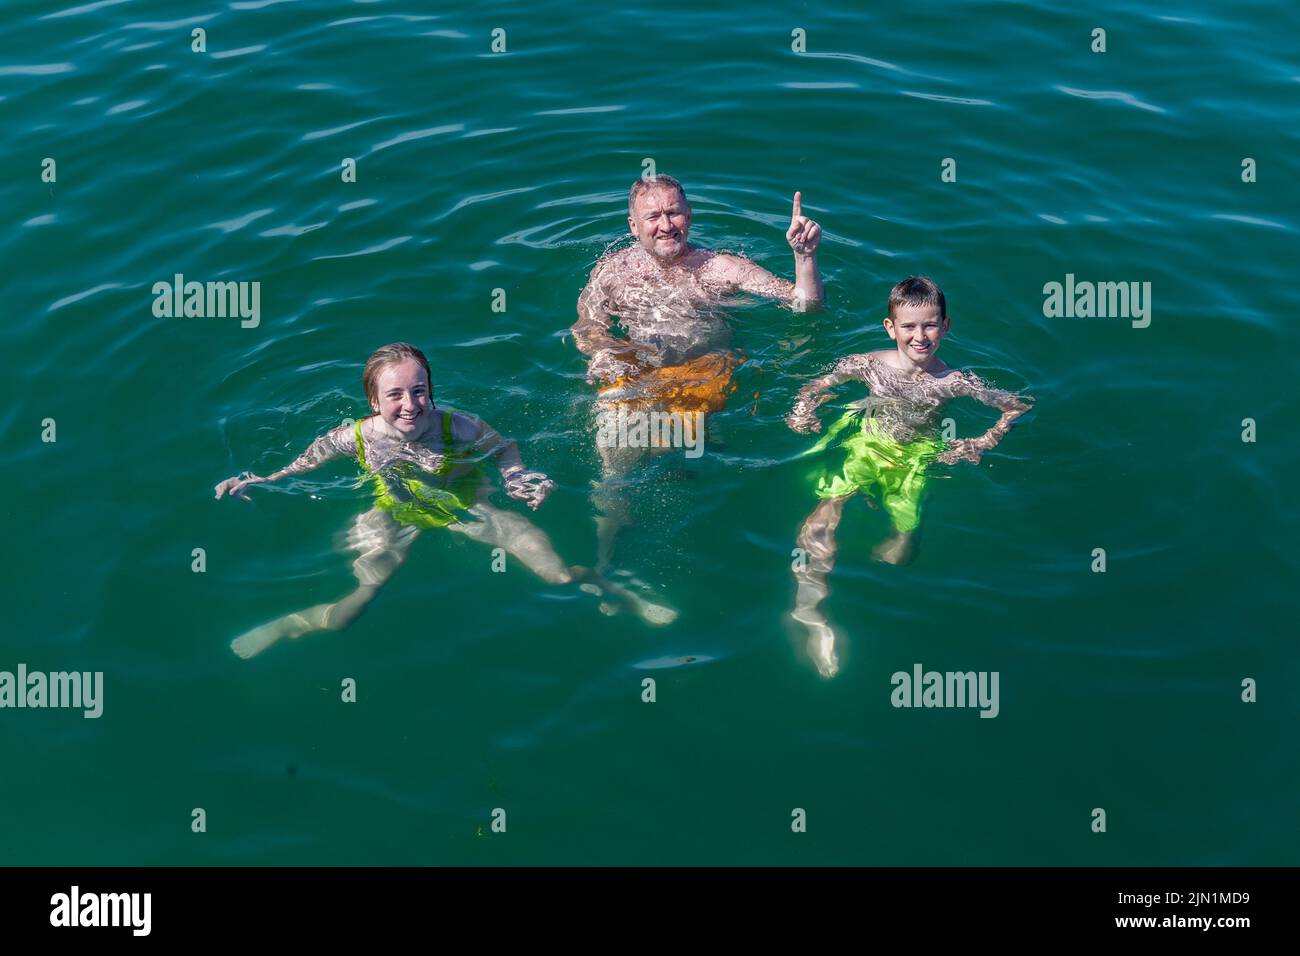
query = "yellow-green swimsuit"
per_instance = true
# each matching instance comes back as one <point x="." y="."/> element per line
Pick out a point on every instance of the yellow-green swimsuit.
<point x="414" y="502"/>
<point x="889" y="470"/>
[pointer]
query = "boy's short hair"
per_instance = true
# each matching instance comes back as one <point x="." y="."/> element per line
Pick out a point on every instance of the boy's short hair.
<point x="918" y="290"/>
<point x="650" y="182"/>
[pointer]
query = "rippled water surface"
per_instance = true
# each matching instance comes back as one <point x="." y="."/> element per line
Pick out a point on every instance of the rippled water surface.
<point x="479" y="171"/>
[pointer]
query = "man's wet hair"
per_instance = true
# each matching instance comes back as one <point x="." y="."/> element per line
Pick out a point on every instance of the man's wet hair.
<point x="917" y="290"/>
<point x="650" y="182"/>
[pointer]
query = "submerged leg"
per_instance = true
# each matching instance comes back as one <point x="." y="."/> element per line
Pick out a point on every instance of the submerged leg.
<point x="817" y="540"/>
<point x="531" y="545"/>
<point x="898" y="548"/>
<point x="520" y="538"/>
<point x="613" y="512"/>
<point x="903" y="503"/>
<point x="383" y="544"/>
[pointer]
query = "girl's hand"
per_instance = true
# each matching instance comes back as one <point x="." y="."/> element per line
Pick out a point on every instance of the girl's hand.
<point x="234" y="487"/>
<point x="530" y="487"/>
<point x="963" y="449"/>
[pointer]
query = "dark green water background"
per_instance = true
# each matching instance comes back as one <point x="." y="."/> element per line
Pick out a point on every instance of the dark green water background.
<point x="476" y="690"/>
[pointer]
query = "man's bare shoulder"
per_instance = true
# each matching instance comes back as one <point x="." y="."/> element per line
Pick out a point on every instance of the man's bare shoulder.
<point x="723" y="263"/>
<point x="608" y="266"/>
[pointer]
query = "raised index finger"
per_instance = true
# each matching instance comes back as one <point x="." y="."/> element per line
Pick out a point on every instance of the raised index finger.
<point x="798" y="207"/>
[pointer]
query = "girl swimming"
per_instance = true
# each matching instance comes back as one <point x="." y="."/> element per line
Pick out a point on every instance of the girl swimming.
<point x="425" y="464"/>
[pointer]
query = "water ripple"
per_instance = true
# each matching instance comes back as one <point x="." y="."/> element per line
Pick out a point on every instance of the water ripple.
<point x="580" y="109"/>
<point x="166" y="25"/>
<point x="325" y="133"/>
<point x="38" y="69"/>
<point x="369" y="250"/>
<point x="1128" y="98"/>
<point x="1251" y="220"/>
<point x="879" y="64"/>
<point x="84" y="295"/>
<point x="125" y="107"/>
<point x="87" y="8"/>
<point x="242" y="51"/>
<point x="820" y="86"/>
<point x="234" y="225"/>
<point x="965" y="100"/>
<point x="418" y="134"/>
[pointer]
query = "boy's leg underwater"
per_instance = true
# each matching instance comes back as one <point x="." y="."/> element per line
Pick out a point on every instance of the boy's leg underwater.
<point x="817" y="540"/>
<point x="898" y="548"/>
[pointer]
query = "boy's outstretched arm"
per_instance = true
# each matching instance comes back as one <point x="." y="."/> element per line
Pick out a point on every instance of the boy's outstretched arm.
<point x="1010" y="404"/>
<point x="803" y="417"/>
<point x="335" y="443"/>
<point x="530" y="487"/>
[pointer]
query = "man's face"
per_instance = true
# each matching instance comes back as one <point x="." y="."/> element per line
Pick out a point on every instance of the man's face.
<point x="660" y="222"/>
<point x="917" y="330"/>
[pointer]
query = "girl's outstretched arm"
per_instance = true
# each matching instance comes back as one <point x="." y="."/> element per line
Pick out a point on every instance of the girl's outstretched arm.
<point x="333" y="444"/>
<point x="803" y="417"/>
<point x="530" y="487"/>
<point x="1010" y="404"/>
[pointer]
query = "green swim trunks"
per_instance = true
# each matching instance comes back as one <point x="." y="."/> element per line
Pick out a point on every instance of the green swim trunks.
<point x="414" y="502"/>
<point x="892" y="472"/>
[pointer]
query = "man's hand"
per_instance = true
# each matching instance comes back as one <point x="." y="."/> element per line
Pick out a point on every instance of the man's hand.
<point x="804" y="235"/>
<point x="627" y="361"/>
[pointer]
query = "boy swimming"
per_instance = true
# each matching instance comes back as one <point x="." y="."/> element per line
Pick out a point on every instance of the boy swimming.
<point x="890" y="443"/>
<point x="424" y="463"/>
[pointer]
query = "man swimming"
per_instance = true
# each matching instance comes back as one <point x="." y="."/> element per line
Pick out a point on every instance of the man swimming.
<point x="667" y="295"/>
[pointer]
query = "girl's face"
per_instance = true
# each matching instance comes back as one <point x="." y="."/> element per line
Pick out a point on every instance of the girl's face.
<point x="404" y="397"/>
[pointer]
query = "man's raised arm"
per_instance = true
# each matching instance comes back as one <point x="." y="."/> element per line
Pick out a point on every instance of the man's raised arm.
<point x="805" y="292"/>
<point x="804" y="237"/>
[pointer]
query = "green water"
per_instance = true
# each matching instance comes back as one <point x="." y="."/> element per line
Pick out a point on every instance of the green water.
<point x="479" y="171"/>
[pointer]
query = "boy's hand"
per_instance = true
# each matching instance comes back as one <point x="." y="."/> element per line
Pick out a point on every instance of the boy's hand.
<point x="234" y="487"/>
<point x="530" y="487"/>
<point x="803" y="422"/>
<point x="804" y="235"/>
<point x="963" y="449"/>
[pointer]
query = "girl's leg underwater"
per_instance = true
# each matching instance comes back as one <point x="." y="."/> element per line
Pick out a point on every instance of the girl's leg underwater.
<point x="530" y="544"/>
<point x="384" y="545"/>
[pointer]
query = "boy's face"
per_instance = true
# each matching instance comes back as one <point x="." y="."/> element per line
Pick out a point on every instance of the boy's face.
<point x="917" y="330"/>
<point x="404" y="398"/>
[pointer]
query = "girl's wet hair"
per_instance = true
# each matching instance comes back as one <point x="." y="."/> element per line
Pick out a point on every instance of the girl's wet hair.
<point x="380" y="359"/>
<point x="916" y="291"/>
